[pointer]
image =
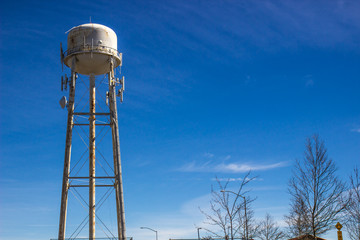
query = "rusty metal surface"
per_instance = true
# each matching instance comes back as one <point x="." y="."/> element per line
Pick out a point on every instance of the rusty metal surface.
<point x="92" y="45"/>
<point x="92" y="109"/>
<point x="116" y="154"/>
<point x="92" y="34"/>
<point x="65" y="184"/>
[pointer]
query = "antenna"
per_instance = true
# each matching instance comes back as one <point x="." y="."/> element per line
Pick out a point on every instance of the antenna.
<point x="61" y="57"/>
<point x="63" y="102"/>
<point x="62" y="83"/>
<point x="122" y="89"/>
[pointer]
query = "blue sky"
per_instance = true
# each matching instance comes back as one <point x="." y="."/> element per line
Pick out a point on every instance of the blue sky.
<point x="213" y="88"/>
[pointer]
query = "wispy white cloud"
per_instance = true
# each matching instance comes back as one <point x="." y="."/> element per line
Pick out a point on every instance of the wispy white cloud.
<point x="234" y="179"/>
<point x="194" y="167"/>
<point x="208" y="155"/>
<point x="227" y="157"/>
<point x="269" y="24"/>
<point x="356" y="130"/>
<point x="234" y="167"/>
<point x="241" y="168"/>
<point x="227" y="179"/>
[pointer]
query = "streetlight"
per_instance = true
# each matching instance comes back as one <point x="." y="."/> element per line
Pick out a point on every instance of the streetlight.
<point x="246" y="220"/>
<point x="198" y="230"/>
<point x="151" y="230"/>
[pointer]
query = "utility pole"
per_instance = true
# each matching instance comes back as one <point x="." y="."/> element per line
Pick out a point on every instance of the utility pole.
<point x="198" y="232"/>
<point x="151" y="230"/>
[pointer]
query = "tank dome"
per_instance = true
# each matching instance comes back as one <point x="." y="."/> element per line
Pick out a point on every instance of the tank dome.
<point x="90" y="49"/>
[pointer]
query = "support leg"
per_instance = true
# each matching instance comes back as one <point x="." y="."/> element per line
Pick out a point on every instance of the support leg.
<point x="117" y="157"/>
<point x="65" y="184"/>
<point x="92" y="159"/>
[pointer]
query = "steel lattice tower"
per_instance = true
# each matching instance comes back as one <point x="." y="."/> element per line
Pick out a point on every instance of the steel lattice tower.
<point x="92" y="51"/>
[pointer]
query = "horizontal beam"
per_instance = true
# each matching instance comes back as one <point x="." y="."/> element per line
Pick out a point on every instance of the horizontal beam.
<point x="89" y="177"/>
<point x="109" y="185"/>
<point x="86" y="124"/>
<point x="86" y="113"/>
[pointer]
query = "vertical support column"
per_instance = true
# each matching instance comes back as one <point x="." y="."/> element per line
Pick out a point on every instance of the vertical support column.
<point x="117" y="157"/>
<point x="92" y="158"/>
<point x="65" y="184"/>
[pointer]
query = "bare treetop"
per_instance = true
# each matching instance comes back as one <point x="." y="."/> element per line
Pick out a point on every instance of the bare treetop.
<point x="315" y="191"/>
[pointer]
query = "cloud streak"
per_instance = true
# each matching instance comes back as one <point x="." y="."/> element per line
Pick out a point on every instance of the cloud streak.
<point x="234" y="167"/>
<point x="356" y="130"/>
<point x="267" y="24"/>
<point x="234" y="179"/>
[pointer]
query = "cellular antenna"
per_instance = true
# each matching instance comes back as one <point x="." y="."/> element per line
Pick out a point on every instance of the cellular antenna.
<point x="61" y="57"/>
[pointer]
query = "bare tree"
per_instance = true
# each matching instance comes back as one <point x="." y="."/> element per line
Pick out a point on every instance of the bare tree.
<point x="224" y="208"/>
<point x="269" y="230"/>
<point x="297" y="220"/>
<point x="352" y="213"/>
<point x="318" y="190"/>
<point x="248" y="228"/>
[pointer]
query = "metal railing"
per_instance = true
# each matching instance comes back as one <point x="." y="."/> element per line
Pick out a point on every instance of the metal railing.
<point x="94" y="49"/>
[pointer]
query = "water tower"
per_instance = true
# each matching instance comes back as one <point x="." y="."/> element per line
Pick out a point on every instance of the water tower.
<point x="92" y="52"/>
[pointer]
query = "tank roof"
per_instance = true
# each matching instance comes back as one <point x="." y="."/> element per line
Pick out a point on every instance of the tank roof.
<point x="90" y="25"/>
<point x="91" y="46"/>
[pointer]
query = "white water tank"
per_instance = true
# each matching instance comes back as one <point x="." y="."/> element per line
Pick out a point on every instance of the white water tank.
<point x="90" y="49"/>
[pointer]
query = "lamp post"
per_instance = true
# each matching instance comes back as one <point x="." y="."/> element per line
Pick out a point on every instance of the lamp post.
<point x="151" y="230"/>
<point x="198" y="230"/>
<point x="246" y="220"/>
